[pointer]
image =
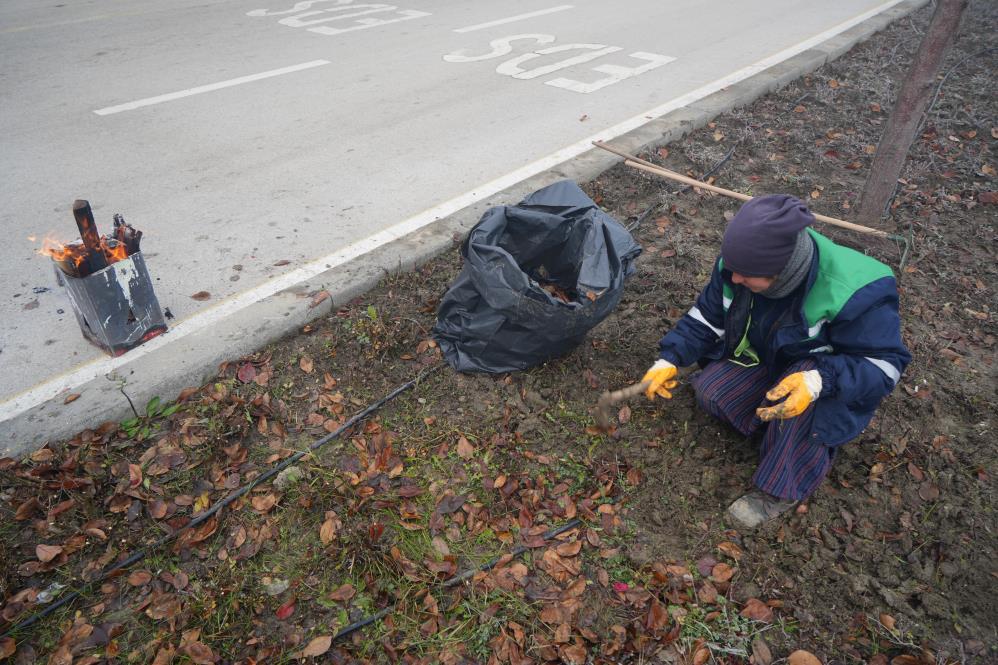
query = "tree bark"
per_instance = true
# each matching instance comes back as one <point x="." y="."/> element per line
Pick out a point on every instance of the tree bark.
<point x="905" y="119"/>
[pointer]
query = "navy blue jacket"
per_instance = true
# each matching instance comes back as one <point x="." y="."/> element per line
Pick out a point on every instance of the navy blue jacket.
<point x="844" y="317"/>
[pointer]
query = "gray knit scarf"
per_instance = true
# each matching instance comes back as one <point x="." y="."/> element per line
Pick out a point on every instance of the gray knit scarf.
<point x="796" y="270"/>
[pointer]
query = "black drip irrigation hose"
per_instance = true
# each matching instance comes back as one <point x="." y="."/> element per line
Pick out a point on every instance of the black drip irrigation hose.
<point x="235" y="494"/>
<point x="706" y="174"/>
<point x="458" y="579"/>
<point x="709" y="172"/>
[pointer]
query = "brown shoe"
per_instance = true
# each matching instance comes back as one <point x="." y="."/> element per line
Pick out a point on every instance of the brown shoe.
<point x="757" y="507"/>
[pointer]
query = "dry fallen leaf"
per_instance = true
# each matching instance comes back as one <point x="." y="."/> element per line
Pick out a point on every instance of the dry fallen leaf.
<point x="157" y="509"/>
<point x="7" y="647"/>
<point x="440" y="546"/>
<point x="46" y="553"/>
<point x="286" y="610"/>
<point x="134" y="475"/>
<point x="42" y="455"/>
<point x="888" y="621"/>
<point x="908" y="659"/>
<point x="730" y="549"/>
<point x="316" y="647"/>
<point x="464" y="448"/>
<point x="572" y="654"/>
<point x="27" y="509"/>
<point x="199" y="653"/>
<point x="707" y="593"/>
<point x="345" y="592"/>
<point x="722" y="572"/>
<point x="327" y="532"/>
<point x="318" y="299"/>
<point x="246" y="373"/>
<point x="200" y="295"/>
<point x="928" y="490"/>
<point x="263" y="504"/>
<point x="72" y="397"/>
<point x="569" y="549"/>
<point x="140" y="577"/>
<point x="634" y="476"/>
<point x="761" y="652"/>
<point x="757" y="610"/>
<point x="801" y="657"/>
<point x="306" y="364"/>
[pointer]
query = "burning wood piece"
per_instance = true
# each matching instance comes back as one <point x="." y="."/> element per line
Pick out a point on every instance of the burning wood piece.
<point x="108" y="284"/>
<point x="94" y="258"/>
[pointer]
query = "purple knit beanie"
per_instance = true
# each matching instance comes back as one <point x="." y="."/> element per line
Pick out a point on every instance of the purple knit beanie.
<point x="760" y="239"/>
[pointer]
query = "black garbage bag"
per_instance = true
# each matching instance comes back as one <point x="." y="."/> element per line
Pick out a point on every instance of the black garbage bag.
<point x="537" y="277"/>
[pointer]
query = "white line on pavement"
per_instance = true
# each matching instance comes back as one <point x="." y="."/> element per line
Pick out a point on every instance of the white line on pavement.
<point x="85" y="19"/>
<point x="149" y="101"/>
<point x="511" y="19"/>
<point x="56" y="386"/>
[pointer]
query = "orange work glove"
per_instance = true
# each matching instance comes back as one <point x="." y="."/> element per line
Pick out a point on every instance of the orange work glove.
<point x="660" y="377"/>
<point x="799" y="388"/>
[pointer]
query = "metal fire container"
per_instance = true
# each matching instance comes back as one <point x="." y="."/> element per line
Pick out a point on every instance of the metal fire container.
<point x="115" y="306"/>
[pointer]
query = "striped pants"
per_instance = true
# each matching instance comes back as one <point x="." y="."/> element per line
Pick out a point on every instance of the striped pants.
<point x="792" y="464"/>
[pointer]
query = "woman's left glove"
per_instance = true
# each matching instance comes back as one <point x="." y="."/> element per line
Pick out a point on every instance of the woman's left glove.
<point x="800" y="390"/>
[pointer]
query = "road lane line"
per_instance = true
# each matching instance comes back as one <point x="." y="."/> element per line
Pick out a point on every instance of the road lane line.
<point x="53" y="388"/>
<point x="511" y="19"/>
<point x="75" y="21"/>
<point x="159" y="99"/>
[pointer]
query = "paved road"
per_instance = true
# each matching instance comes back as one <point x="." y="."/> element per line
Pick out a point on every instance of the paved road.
<point x="249" y="138"/>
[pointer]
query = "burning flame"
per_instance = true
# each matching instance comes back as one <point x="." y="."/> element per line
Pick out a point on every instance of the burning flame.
<point x="61" y="253"/>
<point x="113" y="254"/>
<point x="76" y="252"/>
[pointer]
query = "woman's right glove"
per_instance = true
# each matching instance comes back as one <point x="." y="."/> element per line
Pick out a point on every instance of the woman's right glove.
<point x="661" y="379"/>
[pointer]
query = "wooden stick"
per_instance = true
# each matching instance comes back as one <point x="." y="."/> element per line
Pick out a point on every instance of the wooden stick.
<point x="642" y="165"/>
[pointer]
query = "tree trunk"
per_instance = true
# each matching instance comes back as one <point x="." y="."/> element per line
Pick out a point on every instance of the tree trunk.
<point x="905" y="119"/>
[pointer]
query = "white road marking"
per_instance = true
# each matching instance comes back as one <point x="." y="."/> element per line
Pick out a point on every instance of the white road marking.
<point x="85" y="19"/>
<point x="159" y="99"/>
<point x="511" y="19"/>
<point x="504" y="46"/>
<point x="88" y="371"/>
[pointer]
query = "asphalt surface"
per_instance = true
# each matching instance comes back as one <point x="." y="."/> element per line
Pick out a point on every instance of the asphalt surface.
<point x="249" y="138"/>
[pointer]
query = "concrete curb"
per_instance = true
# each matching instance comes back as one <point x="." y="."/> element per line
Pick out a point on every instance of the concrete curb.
<point x="180" y="359"/>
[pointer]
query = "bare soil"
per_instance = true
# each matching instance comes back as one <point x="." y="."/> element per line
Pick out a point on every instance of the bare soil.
<point x="892" y="560"/>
